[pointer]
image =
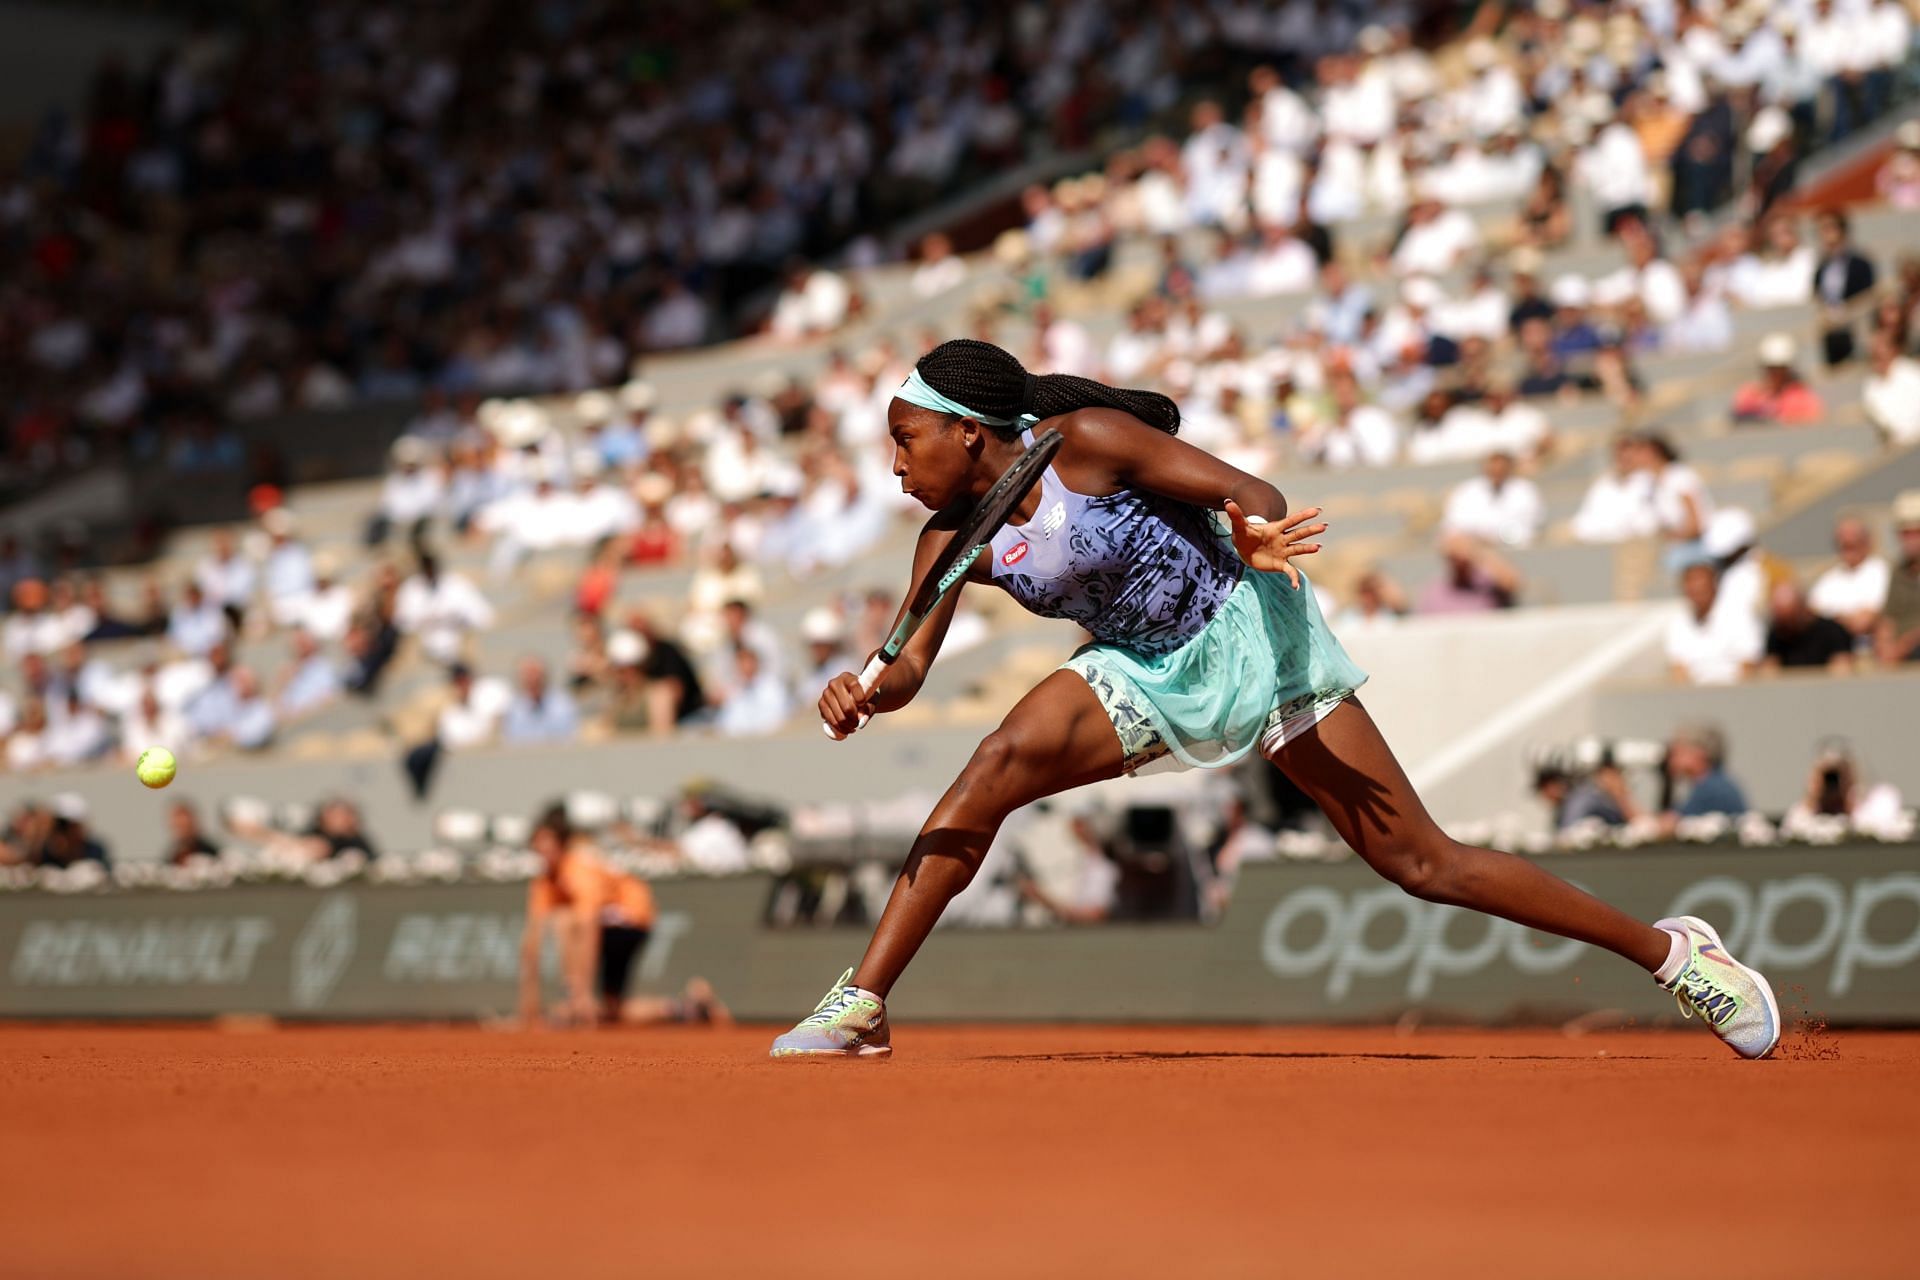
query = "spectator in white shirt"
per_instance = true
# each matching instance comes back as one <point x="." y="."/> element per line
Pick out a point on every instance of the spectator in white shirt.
<point x="1619" y="503"/>
<point x="32" y="627"/>
<point x="75" y="733"/>
<point x="1705" y="646"/>
<point x="940" y="268"/>
<point x="1854" y="591"/>
<point x="1732" y="543"/>
<point x="1892" y="393"/>
<point x="410" y="495"/>
<point x="1435" y="241"/>
<point x="440" y="610"/>
<point x="711" y="844"/>
<point x="756" y="703"/>
<point x="1658" y="284"/>
<point x="1705" y="322"/>
<point x="196" y="624"/>
<point x="1614" y="167"/>
<point x="1281" y="265"/>
<point x="226" y="577"/>
<point x="1354" y="435"/>
<point x="1781" y="275"/>
<point x="326" y="611"/>
<point x="1681" y="505"/>
<point x="1496" y="505"/>
<point x="812" y="304"/>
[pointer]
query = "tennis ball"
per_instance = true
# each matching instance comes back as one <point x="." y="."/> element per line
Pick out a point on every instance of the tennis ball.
<point x="156" y="767"/>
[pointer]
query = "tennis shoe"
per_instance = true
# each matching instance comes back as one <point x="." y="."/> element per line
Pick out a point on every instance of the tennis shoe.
<point x="847" y="1023"/>
<point x="1730" y="998"/>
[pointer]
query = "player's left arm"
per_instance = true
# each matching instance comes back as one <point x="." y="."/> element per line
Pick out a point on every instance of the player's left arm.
<point x="1125" y="453"/>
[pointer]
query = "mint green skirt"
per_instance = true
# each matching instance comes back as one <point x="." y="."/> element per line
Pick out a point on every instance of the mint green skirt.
<point x="1265" y="658"/>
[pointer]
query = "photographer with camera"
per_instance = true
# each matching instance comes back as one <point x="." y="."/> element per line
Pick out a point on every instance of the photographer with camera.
<point x="1835" y="789"/>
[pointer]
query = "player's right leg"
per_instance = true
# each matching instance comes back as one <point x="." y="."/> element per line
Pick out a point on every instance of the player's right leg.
<point x="1056" y="738"/>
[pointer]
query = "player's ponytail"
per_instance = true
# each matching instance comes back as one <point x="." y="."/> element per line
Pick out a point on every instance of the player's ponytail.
<point x="992" y="381"/>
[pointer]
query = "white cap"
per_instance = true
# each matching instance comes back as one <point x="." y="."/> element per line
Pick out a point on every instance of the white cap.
<point x="1769" y="129"/>
<point x="1374" y="39"/>
<point x="821" y="626"/>
<point x="1908" y="135"/>
<point x="593" y="406"/>
<point x="1481" y="54"/>
<point x="1728" y="531"/>
<point x="409" y="451"/>
<point x="279" y="522"/>
<point x="1906" y="510"/>
<point x="1422" y="292"/>
<point x="1777" y="351"/>
<point x="1525" y="261"/>
<point x="70" y="805"/>
<point x="637" y="395"/>
<point x="1571" y="291"/>
<point x="587" y="463"/>
<point x="626" y="648"/>
<point x="326" y="564"/>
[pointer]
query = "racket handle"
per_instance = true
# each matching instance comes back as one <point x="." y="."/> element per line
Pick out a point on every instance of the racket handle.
<point x="869" y="677"/>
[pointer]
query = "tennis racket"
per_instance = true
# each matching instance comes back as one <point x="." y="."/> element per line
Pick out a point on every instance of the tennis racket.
<point x="969" y="542"/>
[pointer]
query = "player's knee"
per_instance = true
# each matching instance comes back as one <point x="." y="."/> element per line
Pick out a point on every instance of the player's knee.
<point x="992" y="774"/>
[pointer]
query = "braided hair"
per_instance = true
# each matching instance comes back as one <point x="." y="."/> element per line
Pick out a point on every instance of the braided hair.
<point x="984" y="377"/>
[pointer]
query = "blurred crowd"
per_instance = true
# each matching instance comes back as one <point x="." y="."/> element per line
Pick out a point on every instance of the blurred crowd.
<point x="364" y="201"/>
<point x="400" y="221"/>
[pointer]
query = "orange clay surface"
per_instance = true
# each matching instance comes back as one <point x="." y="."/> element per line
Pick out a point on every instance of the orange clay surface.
<point x="1004" y="1151"/>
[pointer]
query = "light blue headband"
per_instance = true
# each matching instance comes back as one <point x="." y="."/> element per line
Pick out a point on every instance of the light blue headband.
<point x="916" y="391"/>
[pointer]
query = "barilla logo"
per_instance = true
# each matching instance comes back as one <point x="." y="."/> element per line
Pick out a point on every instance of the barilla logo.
<point x="1015" y="554"/>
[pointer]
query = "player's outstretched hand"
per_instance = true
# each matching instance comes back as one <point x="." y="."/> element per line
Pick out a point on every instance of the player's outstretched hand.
<point x="843" y="702"/>
<point x="1271" y="547"/>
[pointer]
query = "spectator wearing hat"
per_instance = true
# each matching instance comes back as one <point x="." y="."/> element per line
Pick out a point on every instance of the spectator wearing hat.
<point x="1853" y="592"/>
<point x="286" y="565"/>
<point x="1841" y="275"/>
<point x="325" y="612"/>
<point x="1800" y="638"/>
<point x="1746" y="572"/>
<point x="1897" y="636"/>
<point x="1779" y="397"/>
<point x="825" y="636"/>
<point x="673" y="693"/>
<point x="1898" y="179"/>
<point x="1892" y="394"/>
<point x="1775" y="161"/>
<point x="1706" y="645"/>
<point x="410" y="495"/>
<point x="1496" y="505"/>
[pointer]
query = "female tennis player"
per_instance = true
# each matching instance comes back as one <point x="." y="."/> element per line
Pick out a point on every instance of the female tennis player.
<point x="1207" y="645"/>
<point x="602" y="917"/>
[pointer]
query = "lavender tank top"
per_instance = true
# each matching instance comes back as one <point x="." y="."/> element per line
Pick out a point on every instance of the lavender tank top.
<point x="1135" y="569"/>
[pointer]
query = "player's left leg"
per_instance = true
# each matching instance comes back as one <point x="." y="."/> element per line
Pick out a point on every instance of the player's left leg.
<point x="1345" y="765"/>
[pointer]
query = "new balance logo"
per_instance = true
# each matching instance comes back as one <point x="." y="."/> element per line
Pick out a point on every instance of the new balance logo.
<point x="1056" y="516"/>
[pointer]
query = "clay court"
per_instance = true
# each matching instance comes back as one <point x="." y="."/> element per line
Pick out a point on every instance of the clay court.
<point x="1009" y="1151"/>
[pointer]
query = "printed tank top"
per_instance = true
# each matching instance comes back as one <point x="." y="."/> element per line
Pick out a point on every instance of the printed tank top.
<point x="1135" y="569"/>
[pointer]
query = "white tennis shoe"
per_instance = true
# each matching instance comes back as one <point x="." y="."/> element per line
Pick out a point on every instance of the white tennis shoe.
<point x="1733" y="1000"/>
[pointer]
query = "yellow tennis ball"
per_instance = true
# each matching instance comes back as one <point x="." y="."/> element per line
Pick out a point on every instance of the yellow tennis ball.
<point x="156" y="767"/>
